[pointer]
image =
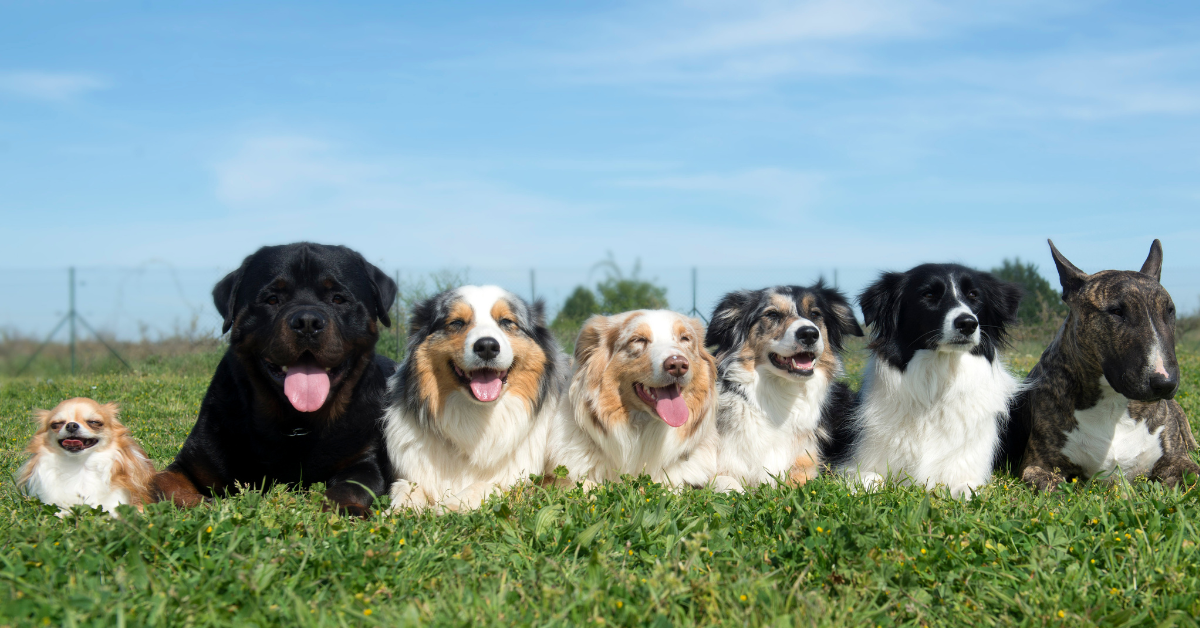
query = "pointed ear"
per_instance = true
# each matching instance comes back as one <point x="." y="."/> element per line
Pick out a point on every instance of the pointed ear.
<point x="1069" y="275"/>
<point x="42" y="418"/>
<point x="383" y="291"/>
<point x="880" y="304"/>
<point x="110" y="411"/>
<point x="225" y="296"/>
<point x="726" y="328"/>
<point x="537" y="313"/>
<point x="1153" y="265"/>
<point x="843" y="313"/>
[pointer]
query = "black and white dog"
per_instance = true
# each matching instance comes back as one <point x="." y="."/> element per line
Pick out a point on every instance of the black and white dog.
<point x="935" y="394"/>
<point x="777" y="364"/>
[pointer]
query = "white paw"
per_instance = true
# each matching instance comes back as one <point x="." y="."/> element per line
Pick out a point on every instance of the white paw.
<point x="964" y="491"/>
<point x="406" y="495"/>
<point x="469" y="498"/>
<point x="588" y="485"/>
<point x="869" y="481"/>
<point x="726" y="484"/>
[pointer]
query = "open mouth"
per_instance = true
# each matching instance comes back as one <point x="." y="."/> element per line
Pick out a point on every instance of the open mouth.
<point x="76" y="445"/>
<point x="485" y="384"/>
<point x="667" y="402"/>
<point x="801" y="363"/>
<point x="306" y="383"/>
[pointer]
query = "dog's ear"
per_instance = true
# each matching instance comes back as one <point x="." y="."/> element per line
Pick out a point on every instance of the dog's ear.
<point x="383" y="292"/>
<point x="880" y="303"/>
<point x="110" y="411"/>
<point x="843" y="320"/>
<point x="1071" y="278"/>
<point x="591" y="340"/>
<point x="729" y="324"/>
<point x="537" y="313"/>
<point x="225" y="296"/>
<point x="42" y="418"/>
<point x="1003" y="298"/>
<point x="1153" y="265"/>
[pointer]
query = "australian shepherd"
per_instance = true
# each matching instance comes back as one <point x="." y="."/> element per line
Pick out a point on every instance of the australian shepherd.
<point x="642" y="399"/>
<point x="470" y="407"/>
<point x="83" y="455"/>
<point x="935" y="392"/>
<point x="777" y="365"/>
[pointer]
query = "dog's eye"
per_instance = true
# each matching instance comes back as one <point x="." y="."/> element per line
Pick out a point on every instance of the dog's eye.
<point x="685" y="338"/>
<point x="338" y="299"/>
<point x="773" y="316"/>
<point x="95" y="423"/>
<point x="272" y="300"/>
<point x="455" y="326"/>
<point x="815" y="314"/>
<point x="973" y="295"/>
<point x="928" y="294"/>
<point x="56" y="425"/>
<point x="507" y="324"/>
<point x="1116" y="310"/>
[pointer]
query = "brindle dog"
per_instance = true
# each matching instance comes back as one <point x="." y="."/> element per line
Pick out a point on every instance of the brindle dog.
<point x="1101" y="397"/>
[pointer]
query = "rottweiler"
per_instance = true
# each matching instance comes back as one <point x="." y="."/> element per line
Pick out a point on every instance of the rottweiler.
<point x="297" y="398"/>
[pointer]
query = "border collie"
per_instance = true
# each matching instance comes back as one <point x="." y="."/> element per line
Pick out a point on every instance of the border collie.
<point x="83" y="455"/>
<point x="642" y="400"/>
<point x="470" y="407"/>
<point x="777" y="362"/>
<point x="935" y="393"/>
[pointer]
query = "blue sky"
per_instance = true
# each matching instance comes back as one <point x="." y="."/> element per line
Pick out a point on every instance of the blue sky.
<point x="853" y="134"/>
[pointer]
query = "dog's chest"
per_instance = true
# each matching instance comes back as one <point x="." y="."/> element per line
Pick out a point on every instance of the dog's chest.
<point x="1107" y="438"/>
<point x="78" y="482"/>
<point x="765" y="435"/>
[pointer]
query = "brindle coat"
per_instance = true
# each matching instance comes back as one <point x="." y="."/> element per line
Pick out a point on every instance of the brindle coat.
<point x="1116" y="321"/>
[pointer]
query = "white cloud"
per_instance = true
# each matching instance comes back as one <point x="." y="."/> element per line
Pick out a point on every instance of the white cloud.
<point x="55" y="87"/>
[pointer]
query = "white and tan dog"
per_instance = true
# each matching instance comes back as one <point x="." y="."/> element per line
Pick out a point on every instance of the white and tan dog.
<point x="470" y="407"/>
<point x="642" y="399"/>
<point x="83" y="456"/>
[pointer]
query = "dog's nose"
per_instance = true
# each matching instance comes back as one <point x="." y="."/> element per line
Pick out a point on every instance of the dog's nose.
<point x="1163" y="387"/>
<point x="307" y="322"/>
<point x="808" y="335"/>
<point x="72" y="427"/>
<point x="966" y="324"/>
<point x="676" y="365"/>
<point x="487" y="348"/>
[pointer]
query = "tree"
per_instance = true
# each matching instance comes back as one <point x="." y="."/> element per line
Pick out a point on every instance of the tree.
<point x="618" y="293"/>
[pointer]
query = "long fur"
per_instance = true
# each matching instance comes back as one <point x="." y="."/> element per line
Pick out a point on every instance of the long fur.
<point x="775" y="423"/>
<point x="934" y="399"/>
<point x="113" y="472"/>
<point x="448" y="449"/>
<point x="604" y="430"/>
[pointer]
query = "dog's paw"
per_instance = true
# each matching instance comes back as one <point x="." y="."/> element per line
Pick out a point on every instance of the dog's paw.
<point x="1041" y="479"/>
<point x="965" y="491"/>
<point x="407" y="496"/>
<point x="726" y="484"/>
<point x="469" y="498"/>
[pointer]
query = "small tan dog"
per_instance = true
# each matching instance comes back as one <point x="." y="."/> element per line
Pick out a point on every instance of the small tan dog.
<point x="83" y="455"/>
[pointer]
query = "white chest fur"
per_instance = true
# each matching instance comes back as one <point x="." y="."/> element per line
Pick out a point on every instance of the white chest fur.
<point x="935" y="423"/>
<point x="1107" y="438"/>
<point x="77" y="480"/>
<point x="763" y="436"/>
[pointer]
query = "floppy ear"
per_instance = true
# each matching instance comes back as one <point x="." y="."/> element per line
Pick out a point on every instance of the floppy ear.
<point x="537" y="313"/>
<point x="1004" y="298"/>
<point x="1069" y="275"/>
<point x="383" y="291"/>
<point x="225" y="296"/>
<point x="1153" y="265"/>
<point x="726" y="329"/>
<point x="880" y="304"/>
<point x="698" y="329"/>
<point x="590" y="341"/>
<point x="843" y="320"/>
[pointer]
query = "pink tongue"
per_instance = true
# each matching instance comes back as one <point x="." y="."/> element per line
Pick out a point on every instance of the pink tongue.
<point x="670" y="406"/>
<point x="486" y="385"/>
<point x="804" y="364"/>
<point x="306" y="386"/>
<point x="70" y="442"/>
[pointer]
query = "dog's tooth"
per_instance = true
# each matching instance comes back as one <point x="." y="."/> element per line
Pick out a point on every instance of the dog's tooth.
<point x="328" y="368"/>
<point x="284" y="368"/>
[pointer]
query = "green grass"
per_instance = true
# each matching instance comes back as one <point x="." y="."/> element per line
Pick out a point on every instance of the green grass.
<point x="631" y="554"/>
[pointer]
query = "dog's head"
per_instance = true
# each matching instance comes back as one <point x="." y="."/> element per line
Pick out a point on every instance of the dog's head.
<point x="302" y="318"/>
<point x="652" y="361"/>
<point x="1124" y="323"/>
<point x="790" y="331"/>
<point x="938" y="307"/>
<point x="78" y="427"/>
<point x="482" y="341"/>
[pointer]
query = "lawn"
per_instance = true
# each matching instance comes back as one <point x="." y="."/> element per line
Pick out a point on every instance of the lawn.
<point x="633" y="554"/>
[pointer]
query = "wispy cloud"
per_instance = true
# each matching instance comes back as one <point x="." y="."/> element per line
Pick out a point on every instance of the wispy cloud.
<point x="55" y="87"/>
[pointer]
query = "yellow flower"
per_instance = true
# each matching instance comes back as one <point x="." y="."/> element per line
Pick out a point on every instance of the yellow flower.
<point x="743" y="598"/>
<point x="366" y="611"/>
<point x="922" y="550"/>
<point x="1061" y="614"/>
<point x="620" y="604"/>
<point x="402" y="541"/>
<point x="1113" y="591"/>
<point x="820" y="529"/>
<point x="209" y="529"/>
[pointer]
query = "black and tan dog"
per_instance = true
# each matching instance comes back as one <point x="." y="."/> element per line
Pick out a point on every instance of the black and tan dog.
<point x="1100" y="399"/>
<point x="298" y="397"/>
